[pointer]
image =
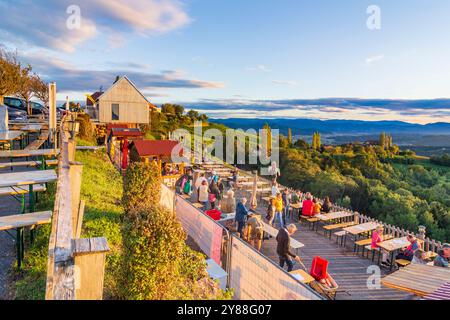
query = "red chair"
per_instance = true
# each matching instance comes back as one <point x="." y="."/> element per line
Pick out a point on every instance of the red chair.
<point x="319" y="272"/>
<point x="319" y="268"/>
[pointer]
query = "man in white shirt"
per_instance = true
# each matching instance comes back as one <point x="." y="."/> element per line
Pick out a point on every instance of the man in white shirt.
<point x="275" y="190"/>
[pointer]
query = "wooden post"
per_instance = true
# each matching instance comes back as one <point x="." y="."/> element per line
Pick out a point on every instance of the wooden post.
<point x="75" y="172"/>
<point x="72" y="149"/>
<point x="79" y="222"/>
<point x="89" y="255"/>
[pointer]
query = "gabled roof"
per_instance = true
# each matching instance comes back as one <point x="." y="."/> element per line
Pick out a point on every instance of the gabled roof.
<point x="94" y="96"/>
<point x="162" y="148"/>
<point x="125" y="132"/>
<point x="115" y="83"/>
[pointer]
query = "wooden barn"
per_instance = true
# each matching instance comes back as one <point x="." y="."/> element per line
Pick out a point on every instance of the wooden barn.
<point x="121" y="103"/>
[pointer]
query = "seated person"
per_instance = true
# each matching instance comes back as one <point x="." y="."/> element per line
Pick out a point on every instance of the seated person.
<point x="327" y="205"/>
<point x="214" y="213"/>
<point x="377" y="237"/>
<point x="308" y="206"/>
<point x="317" y="206"/>
<point x="443" y="258"/>
<point x="408" y="253"/>
<point x="419" y="257"/>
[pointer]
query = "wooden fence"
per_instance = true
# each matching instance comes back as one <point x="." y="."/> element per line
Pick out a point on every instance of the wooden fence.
<point x="75" y="268"/>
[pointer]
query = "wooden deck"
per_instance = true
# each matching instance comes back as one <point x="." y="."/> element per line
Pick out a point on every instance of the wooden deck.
<point x="348" y="269"/>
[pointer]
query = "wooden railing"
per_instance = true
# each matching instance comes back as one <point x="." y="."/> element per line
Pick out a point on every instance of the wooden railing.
<point x="75" y="268"/>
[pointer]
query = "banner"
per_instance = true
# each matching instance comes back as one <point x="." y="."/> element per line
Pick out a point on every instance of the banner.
<point x="202" y="229"/>
<point x="255" y="277"/>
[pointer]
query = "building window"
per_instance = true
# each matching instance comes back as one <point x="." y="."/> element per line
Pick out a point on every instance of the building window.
<point x="115" y="111"/>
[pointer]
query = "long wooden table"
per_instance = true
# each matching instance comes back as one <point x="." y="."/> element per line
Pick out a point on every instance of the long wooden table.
<point x="334" y="216"/>
<point x="361" y="228"/>
<point x="418" y="279"/>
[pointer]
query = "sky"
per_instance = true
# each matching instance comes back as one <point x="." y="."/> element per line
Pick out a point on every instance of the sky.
<point x="245" y="58"/>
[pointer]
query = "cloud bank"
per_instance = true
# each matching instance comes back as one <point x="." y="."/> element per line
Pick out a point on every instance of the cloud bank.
<point x="43" y="23"/>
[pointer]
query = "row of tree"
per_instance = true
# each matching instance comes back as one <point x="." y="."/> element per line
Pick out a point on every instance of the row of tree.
<point x="19" y="80"/>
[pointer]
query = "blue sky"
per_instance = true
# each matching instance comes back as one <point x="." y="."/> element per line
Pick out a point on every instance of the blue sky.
<point x="240" y="56"/>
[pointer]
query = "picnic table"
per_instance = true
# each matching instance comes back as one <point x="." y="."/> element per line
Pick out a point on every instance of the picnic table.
<point x="6" y="136"/>
<point x="334" y="216"/>
<point x="32" y="128"/>
<point x="420" y="280"/>
<point x="443" y="293"/>
<point x="302" y="276"/>
<point x="296" y="245"/>
<point x="361" y="228"/>
<point x="28" y="153"/>
<point x="27" y="178"/>
<point x="393" y="245"/>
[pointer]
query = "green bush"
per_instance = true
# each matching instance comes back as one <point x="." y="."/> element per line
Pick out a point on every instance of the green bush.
<point x="157" y="264"/>
<point x="142" y="186"/>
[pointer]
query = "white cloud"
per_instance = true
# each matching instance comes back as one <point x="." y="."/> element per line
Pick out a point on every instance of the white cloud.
<point x="374" y="59"/>
<point x="285" y="82"/>
<point x="43" y="24"/>
<point x="260" y="67"/>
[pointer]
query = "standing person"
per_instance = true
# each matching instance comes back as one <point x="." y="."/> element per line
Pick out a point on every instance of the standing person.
<point x="203" y="195"/>
<point x="198" y="183"/>
<point x="377" y="237"/>
<point x="408" y="253"/>
<point x="274" y="171"/>
<point x="275" y="189"/>
<point x="241" y="215"/>
<point x="443" y="258"/>
<point x="286" y="204"/>
<point x="278" y="203"/>
<point x="228" y="203"/>
<point x="327" y="205"/>
<point x="214" y="192"/>
<point x="308" y="206"/>
<point x="284" y="247"/>
<point x="255" y="229"/>
<point x="234" y="179"/>
<point x="271" y="212"/>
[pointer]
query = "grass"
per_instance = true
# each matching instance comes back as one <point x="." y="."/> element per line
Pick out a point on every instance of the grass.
<point x="102" y="190"/>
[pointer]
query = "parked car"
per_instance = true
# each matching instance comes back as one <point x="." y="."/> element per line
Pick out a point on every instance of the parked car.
<point x="21" y="104"/>
<point x="15" y="114"/>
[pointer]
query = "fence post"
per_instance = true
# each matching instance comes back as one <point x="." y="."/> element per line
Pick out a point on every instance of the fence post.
<point x="89" y="256"/>
<point x="75" y="172"/>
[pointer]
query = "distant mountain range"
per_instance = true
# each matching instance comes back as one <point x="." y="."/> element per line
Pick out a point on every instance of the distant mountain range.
<point x="350" y="127"/>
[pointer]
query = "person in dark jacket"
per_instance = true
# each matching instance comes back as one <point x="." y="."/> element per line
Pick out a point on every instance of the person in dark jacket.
<point x="284" y="247"/>
<point x="326" y="207"/>
<point x="241" y="215"/>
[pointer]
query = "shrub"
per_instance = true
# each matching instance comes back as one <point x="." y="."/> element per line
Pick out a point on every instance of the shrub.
<point x="157" y="264"/>
<point x="142" y="186"/>
<point x="86" y="129"/>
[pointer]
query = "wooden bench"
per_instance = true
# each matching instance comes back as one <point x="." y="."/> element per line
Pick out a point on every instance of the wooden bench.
<point x="330" y="227"/>
<point x="35" y="145"/>
<point x="363" y="243"/>
<point x="402" y="263"/>
<point x="20" y="221"/>
<point x="341" y="235"/>
<point x="11" y="191"/>
<point x="27" y="164"/>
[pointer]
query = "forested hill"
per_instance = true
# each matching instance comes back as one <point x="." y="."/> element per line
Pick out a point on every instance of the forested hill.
<point x="308" y="126"/>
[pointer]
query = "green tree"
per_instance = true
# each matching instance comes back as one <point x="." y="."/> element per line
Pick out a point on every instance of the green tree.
<point x="289" y="137"/>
